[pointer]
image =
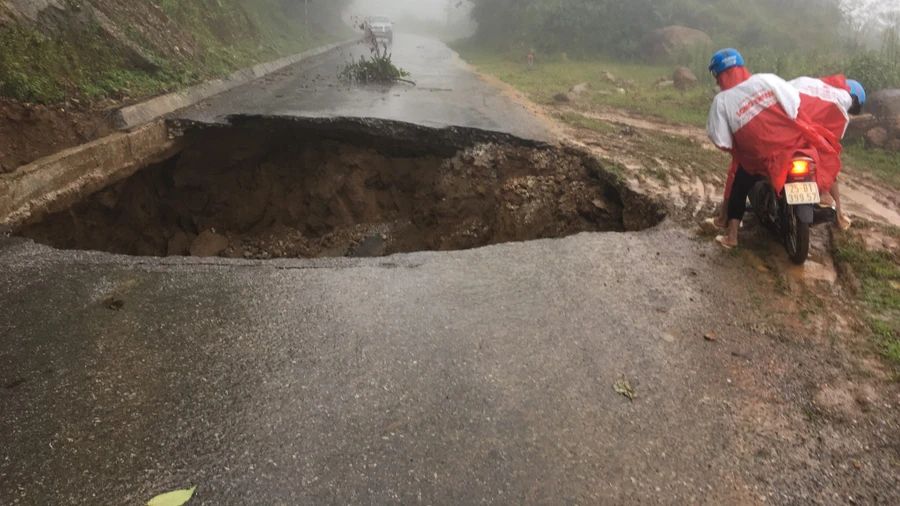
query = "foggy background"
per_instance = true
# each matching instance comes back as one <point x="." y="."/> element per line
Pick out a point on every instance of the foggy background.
<point x="446" y="19"/>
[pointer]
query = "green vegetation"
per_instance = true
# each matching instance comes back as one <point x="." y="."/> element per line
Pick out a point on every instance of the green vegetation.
<point x="550" y="76"/>
<point x="615" y="28"/>
<point x="34" y="67"/>
<point x="791" y="39"/>
<point x="879" y="276"/>
<point x="379" y="68"/>
<point x="880" y="164"/>
<point x="226" y="35"/>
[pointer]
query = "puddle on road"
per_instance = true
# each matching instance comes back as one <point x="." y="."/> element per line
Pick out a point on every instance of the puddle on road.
<point x="859" y="202"/>
<point x="284" y="189"/>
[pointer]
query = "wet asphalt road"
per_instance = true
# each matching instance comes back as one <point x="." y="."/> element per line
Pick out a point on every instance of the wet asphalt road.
<point x="469" y="377"/>
<point x="447" y="93"/>
<point x="473" y="377"/>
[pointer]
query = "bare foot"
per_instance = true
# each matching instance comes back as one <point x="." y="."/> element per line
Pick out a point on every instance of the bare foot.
<point x="844" y="223"/>
<point x="726" y="242"/>
<point x="710" y="225"/>
<point x="826" y="200"/>
<point x="720" y="221"/>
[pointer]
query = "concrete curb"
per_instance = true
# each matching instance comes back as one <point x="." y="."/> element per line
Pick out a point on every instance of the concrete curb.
<point x="55" y="182"/>
<point x="138" y="114"/>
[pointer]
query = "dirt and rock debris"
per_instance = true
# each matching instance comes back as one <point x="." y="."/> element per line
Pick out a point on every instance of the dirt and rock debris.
<point x="246" y="192"/>
<point x="32" y="131"/>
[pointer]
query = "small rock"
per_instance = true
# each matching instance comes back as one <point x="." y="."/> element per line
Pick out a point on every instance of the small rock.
<point x="621" y="91"/>
<point x="580" y="88"/>
<point x="372" y="246"/>
<point x="562" y="97"/>
<point x="709" y="336"/>
<point x="684" y="79"/>
<point x="877" y="137"/>
<point x="208" y="244"/>
<point x="665" y="84"/>
<point x="609" y="77"/>
<point x="669" y="338"/>
<point x="893" y="145"/>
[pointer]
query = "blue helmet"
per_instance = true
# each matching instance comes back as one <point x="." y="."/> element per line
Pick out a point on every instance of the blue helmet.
<point x="856" y="90"/>
<point x="724" y="60"/>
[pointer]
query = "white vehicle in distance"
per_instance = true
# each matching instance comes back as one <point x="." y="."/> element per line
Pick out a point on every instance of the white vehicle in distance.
<point x="379" y="27"/>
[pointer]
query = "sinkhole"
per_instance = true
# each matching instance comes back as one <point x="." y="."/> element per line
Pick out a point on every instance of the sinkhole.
<point x="267" y="188"/>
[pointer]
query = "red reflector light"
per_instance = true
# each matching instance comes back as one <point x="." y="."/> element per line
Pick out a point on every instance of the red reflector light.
<point x="800" y="168"/>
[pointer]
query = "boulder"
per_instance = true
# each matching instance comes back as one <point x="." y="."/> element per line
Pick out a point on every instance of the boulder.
<point x="684" y="79"/>
<point x="573" y="93"/>
<point x="180" y="244"/>
<point x="885" y="105"/>
<point x="660" y="45"/>
<point x="860" y="125"/>
<point x="208" y="244"/>
<point x="893" y="145"/>
<point x="877" y="137"/>
<point x="580" y="88"/>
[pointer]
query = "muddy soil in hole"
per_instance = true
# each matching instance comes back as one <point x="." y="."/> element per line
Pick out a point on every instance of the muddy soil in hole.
<point x="246" y="193"/>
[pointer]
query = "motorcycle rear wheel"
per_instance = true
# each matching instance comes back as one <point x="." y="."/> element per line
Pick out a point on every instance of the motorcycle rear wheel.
<point x="796" y="239"/>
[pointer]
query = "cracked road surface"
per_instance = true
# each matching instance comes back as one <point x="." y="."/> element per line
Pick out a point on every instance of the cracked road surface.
<point x="447" y="93"/>
<point x="482" y="376"/>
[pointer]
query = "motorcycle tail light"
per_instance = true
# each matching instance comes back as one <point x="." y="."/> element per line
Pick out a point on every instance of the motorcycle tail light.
<point x="800" y="168"/>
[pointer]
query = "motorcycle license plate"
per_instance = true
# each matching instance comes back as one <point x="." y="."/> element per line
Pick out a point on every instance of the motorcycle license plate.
<point x="801" y="193"/>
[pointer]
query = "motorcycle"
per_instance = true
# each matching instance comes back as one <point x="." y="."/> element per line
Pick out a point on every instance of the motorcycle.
<point x="790" y="214"/>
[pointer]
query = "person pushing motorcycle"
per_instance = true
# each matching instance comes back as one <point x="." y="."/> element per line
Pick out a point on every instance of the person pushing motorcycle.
<point x="758" y="120"/>
<point x="830" y="101"/>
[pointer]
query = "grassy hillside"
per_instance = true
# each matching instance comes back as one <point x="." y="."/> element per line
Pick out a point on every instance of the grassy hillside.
<point x="180" y="43"/>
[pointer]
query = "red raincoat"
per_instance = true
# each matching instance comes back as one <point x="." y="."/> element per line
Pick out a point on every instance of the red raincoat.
<point x="758" y="119"/>
<point x="826" y="101"/>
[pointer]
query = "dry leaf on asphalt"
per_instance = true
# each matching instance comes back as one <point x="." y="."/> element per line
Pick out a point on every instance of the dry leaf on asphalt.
<point x="176" y="498"/>
<point x="622" y="386"/>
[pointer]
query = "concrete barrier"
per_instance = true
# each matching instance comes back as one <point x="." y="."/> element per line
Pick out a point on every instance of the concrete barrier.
<point x="154" y="108"/>
<point x="55" y="182"/>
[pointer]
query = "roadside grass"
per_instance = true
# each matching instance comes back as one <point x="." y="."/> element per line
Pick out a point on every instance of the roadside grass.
<point x="689" y="107"/>
<point x="553" y="75"/>
<point x="879" y="275"/>
<point x="79" y="60"/>
<point x="882" y="165"/>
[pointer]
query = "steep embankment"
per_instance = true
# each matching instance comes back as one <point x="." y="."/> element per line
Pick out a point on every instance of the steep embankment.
<point x="65" y="63"/>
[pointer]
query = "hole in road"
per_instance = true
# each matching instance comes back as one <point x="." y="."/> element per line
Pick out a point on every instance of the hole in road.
<point x="281" y="189"/>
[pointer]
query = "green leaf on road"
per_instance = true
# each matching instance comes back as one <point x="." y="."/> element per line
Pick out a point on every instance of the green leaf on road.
<point x="176" y="498"/>
<point x="621" y="386"/>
